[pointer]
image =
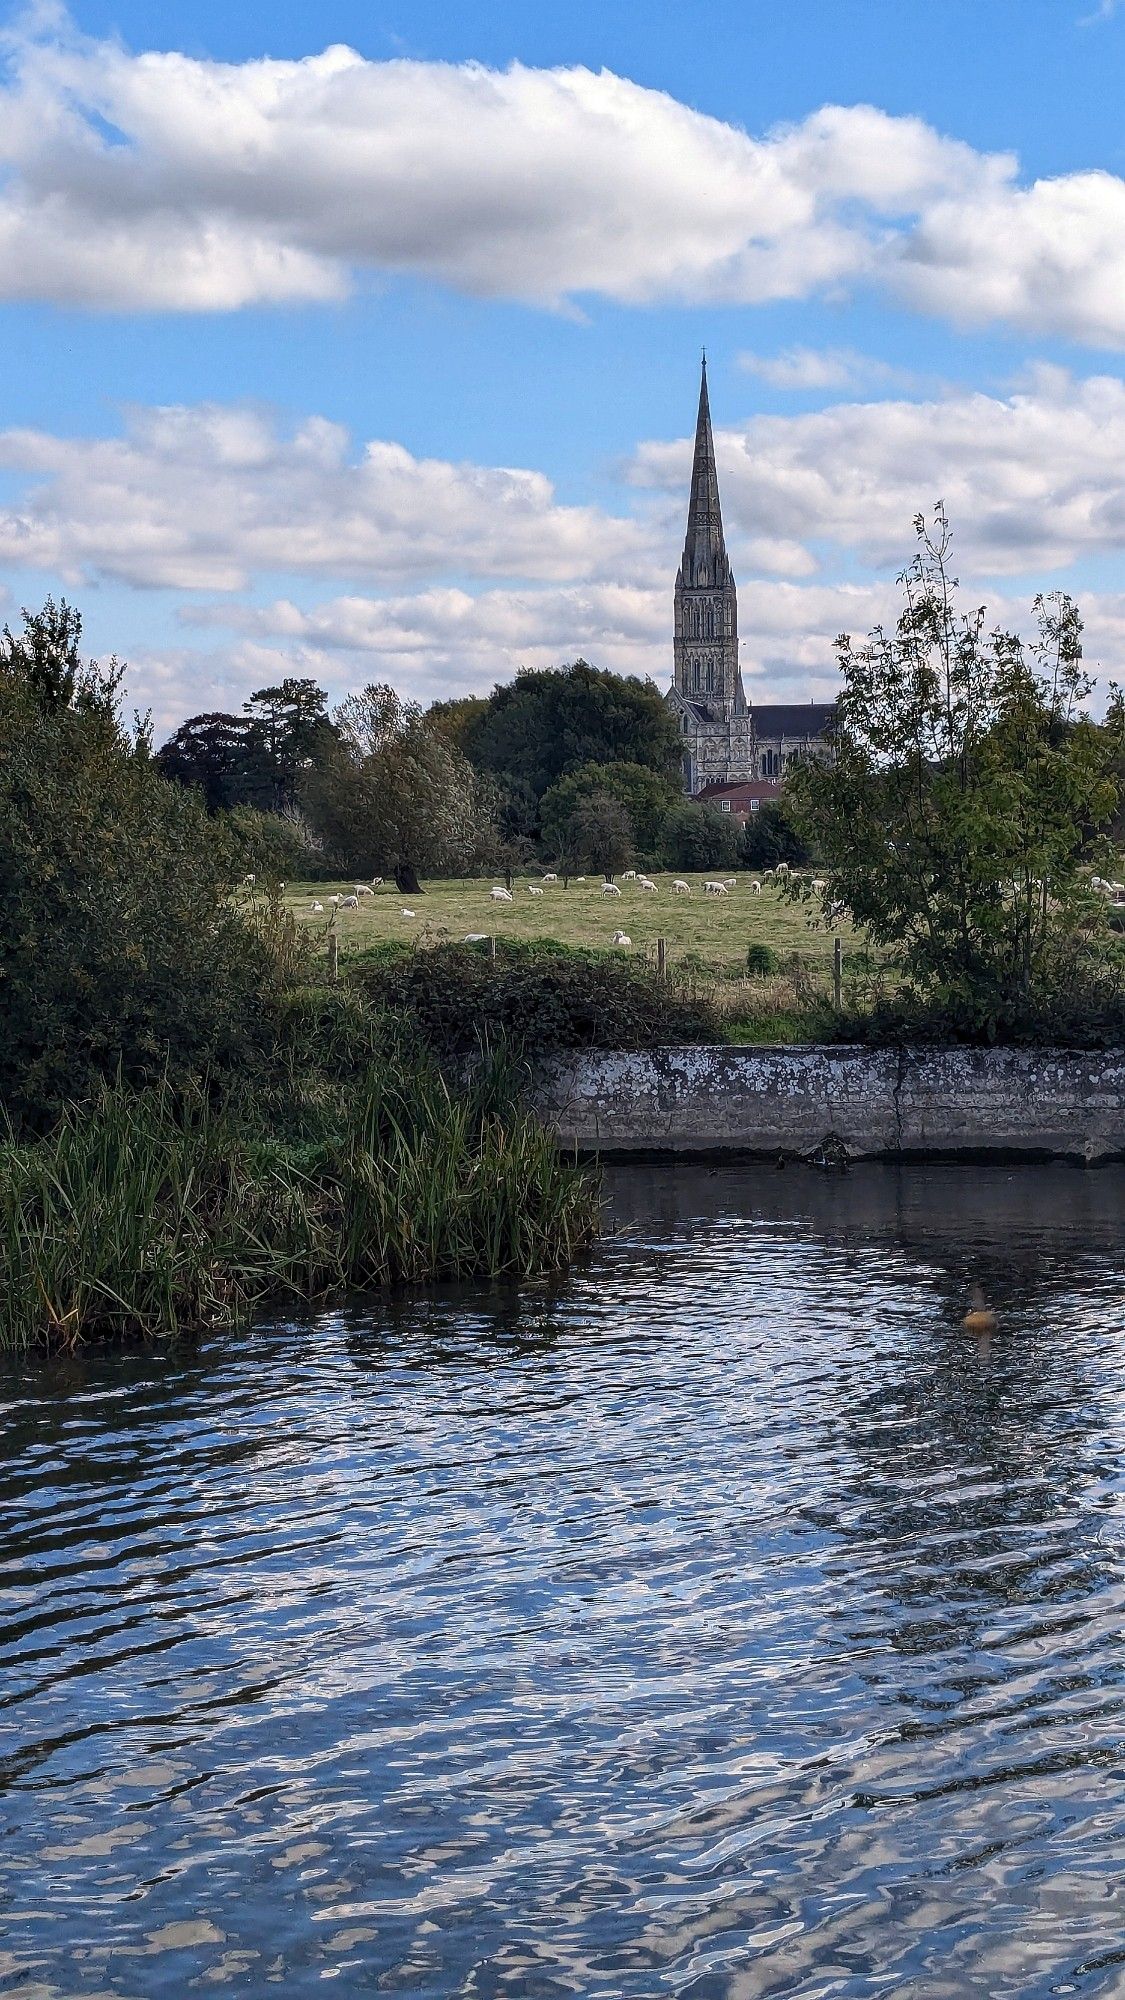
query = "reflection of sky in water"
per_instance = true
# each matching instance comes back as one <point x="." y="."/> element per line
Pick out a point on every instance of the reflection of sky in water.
<point x="721" y="1621"/>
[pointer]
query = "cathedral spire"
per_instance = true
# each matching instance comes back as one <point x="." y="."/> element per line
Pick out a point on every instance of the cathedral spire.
<point x="705" y="556"/>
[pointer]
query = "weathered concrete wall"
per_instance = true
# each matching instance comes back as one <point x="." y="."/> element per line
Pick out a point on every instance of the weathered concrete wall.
<point x="866" y="1102"/>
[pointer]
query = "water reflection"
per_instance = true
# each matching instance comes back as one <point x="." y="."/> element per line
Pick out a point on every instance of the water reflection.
<point x="723" y="1621"/>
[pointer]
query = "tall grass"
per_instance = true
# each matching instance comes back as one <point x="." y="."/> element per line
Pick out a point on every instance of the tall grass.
<point x="155" y="1212"/>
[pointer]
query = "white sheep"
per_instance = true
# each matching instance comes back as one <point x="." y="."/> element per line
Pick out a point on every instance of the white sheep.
<point x="630" y="875"/>
<point x="549" y="877"/>
<point x="349" y="902"/>
<point x="335" y="901"/>
<point x="318" y="909"/>
<point x="714" y="888"/>
<point x="475" y="937"/>
<point x="755" y="888"/>
<point x="408" y="913"/>
<point x="818" y="888"/>
<point x="501" y="895"/>
<point x="681" y="889"/>
<point x="532" y="889"/>
<point x="783" y="868"/>
<point x="619" y="937"/>
<point x="731" y="882"/>
<point x="580" y="878"/>
<point x="376" y="881"/>
<point x="644" y="883"/>
<point x="610" y="889"/>
<point x="362" y="889"/>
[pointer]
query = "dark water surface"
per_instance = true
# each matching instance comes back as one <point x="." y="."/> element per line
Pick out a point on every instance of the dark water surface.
<point x="725" y="1621"/>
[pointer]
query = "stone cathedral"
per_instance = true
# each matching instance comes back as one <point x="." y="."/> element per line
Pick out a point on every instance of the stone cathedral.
<point x="725" y="741"/>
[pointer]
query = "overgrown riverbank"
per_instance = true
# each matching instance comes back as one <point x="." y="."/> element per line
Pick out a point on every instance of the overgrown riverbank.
<point x="165" y="1210"/>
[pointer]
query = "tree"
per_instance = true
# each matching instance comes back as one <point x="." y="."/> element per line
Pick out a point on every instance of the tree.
<point x="696" y="837"/>
<point x="390" y="794"/>
<point x="535" y="729"/>
<point x="645" y="795"/>
<point x="289" y="729"/>
<point x="120" y="948"/>
<point x="963" y="795"/>
<point x="216" y="754"/>
<point x="769" y="836"/>
<point x="600" y="834"/>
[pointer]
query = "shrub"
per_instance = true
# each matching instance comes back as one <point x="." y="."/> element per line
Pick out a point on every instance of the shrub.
<point x="271" y="846"/>
<point x="760" y="960"/>
<point x="696" y="837"/>
<point x="537" y="999"/>
<point x="120" y="949"/>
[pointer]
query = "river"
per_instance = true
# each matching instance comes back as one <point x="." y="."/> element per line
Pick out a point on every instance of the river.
<point x="720" y="1621"/>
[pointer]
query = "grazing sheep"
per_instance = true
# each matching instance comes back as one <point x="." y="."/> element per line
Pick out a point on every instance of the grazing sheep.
<point x="714" y="888"/>
<point x="769" y="871"/>
<point x="362" y="889"/>
<point x="731" y="882"/>
<point x="501" y="895"/>
<point x="630" y="875"/>
<point x="550" y="877"/>
<point x="532" y="890"/>
<point x="376" y="881"/>
<point x="349" y="902"/>
<point x="335" y="901"/>
<point x="610" y="889"/>
<point x="619" y="937"/>
<point x="318" y="909"/>
<point x="755" y="888"/>
<point x="643" y="882"/>
<point x="783" y="868"/>
<point x="818" y="888"/>
<point x="681" y="889"/>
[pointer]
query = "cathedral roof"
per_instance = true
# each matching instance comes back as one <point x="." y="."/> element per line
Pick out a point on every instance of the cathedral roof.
<point x="793" y="718"/>
<point x="705" y="561"/>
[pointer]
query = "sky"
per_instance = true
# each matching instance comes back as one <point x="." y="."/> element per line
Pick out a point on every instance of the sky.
<point x="361" y="340"/>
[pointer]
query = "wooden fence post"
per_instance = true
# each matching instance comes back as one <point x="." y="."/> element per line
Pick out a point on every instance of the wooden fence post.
<point x="837" y="971"/>
<point x="661" y="958"/>
<point x="333" y="958"/>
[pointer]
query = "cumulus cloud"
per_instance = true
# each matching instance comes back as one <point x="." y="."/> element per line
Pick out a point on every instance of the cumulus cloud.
<point x="208" y="497"/>
<point x="1032" y="480"/>
<point x="160" y="180"/>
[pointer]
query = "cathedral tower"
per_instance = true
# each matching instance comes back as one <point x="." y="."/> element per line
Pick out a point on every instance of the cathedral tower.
<point x="705" y="645"/>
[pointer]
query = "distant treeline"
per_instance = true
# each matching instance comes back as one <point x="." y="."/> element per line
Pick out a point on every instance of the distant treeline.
<point x="573" y="766"/>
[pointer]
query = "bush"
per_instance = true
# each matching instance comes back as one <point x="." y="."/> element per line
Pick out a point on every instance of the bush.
<point x="696" y="837"/>
<point x="538" y="999"/>
<point x="120" y="950"/>
<point x="769" y="836"/>
<point x="274" y="848"/>
<point x="760" y="960"/>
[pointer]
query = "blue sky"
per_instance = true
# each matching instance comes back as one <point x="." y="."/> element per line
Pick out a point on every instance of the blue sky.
<point x="382" y="364"/>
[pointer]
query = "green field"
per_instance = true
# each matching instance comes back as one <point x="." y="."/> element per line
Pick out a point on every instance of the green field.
<point x="717" y="929"/>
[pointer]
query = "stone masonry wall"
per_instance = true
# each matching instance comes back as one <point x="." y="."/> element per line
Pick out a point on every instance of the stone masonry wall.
<point x="863" y="1102"/>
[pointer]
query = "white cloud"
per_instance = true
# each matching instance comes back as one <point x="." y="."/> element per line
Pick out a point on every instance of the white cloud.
<point x="206" y="498"/>
<point x="1032" y="480"/>
<point x="812" y="368"/>
<point x="165" y="181"/>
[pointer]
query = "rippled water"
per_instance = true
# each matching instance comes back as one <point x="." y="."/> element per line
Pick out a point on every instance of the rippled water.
<point x="722" y="1622"/>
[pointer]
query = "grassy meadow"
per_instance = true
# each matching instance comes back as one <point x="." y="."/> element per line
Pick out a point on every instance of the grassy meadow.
<point x="714" y="929"/>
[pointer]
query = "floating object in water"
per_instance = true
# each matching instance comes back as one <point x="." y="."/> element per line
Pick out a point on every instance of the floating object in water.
<point x="980" y="1318"/>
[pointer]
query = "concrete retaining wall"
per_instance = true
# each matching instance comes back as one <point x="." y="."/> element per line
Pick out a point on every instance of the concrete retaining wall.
<point x="1047" y="1103"/>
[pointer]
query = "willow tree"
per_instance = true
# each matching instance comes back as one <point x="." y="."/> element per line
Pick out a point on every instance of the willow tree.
<point x="964" y="793"/>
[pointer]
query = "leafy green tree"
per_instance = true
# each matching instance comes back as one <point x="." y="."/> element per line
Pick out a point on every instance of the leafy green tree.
<point x="963" y="796"/>
<point x="217" y="754"/>
<point x="544" y="724"/>
<point x="289" y="729"/>
<point x="645" y="795"/>
<point x="120" y="947"/>
<point x="390" y="794"/>
<point x="696" y="837"/>
<point x="600" y="834"/>
<point x="769" y="836"/>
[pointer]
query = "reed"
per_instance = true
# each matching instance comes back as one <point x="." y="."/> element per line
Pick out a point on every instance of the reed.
<point x="159" y="1212"/>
